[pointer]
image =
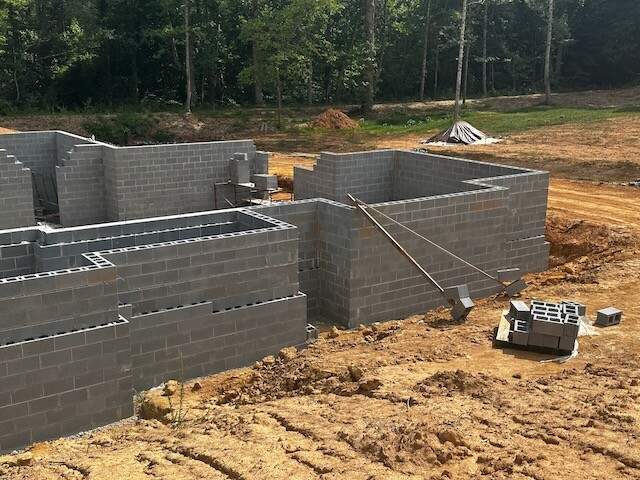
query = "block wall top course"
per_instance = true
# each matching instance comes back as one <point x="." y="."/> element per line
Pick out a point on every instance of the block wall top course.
<point x="11" y="350"/>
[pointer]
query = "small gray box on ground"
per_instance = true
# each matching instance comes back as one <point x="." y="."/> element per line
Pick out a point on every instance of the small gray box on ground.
<point x="609" y="316"/>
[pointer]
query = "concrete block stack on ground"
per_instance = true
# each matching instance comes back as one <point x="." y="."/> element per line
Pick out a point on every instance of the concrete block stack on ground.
<point x="545" y="325"/>
<point x="191" y="294"/>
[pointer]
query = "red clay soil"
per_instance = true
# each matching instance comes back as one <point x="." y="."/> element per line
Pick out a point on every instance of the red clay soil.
<point x="335" y="120"/>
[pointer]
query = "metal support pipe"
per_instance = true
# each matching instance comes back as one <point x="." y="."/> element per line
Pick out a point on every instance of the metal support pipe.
<point x="442" y="249"/>
<point x="360" y="206"/>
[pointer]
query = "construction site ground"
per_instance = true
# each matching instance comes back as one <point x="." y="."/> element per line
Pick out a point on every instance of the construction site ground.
<point x="423" y="397"/>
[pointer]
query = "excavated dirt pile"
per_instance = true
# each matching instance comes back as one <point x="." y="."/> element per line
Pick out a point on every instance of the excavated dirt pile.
<point x="335" y="120"/>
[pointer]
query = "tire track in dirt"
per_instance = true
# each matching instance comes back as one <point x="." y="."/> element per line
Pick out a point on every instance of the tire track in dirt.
<point x="612" y="205"/>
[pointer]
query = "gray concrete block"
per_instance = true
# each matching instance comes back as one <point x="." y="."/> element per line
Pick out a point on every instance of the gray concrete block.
<point x="567" y="344"/>
<point x="547" y="323"/>
<point x="608" y="316"/>
<point x="543" y="340"/>
<point x="518" y="310"/>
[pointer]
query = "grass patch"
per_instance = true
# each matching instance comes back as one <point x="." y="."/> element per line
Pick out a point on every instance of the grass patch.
<point x="493" y="123"/>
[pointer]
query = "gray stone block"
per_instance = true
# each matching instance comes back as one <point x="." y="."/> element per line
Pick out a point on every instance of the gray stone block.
<point x="547" y="323"/>
<point x="608" y="316"/>
<point x="542" y="340"/>
<point x="509" y="275"/>
<point x="265" y="182"/>
<point x="518" y="310"/>
<point x="566" y="344"/>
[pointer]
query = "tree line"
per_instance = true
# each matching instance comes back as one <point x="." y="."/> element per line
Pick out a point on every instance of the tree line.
<point x="75" y="54"/>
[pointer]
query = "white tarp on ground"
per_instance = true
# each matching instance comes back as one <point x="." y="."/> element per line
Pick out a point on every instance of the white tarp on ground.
<point x="462" y="133"/>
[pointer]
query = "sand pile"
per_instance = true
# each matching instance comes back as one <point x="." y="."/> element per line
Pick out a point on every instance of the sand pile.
<point x="335" y="120"/>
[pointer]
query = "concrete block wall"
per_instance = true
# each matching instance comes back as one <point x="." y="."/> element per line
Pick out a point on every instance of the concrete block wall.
<point x="17" y="259"/>
<point x="81" y="186"/>
<point x="167" y="179"/>
<point x="64" y="384"/>
<point x="304" y="216"/>
<point x="196" y="340"/>
<point x="35" y="150"/>
<point x="366" y="175"/>
<point x="383" y="284"/>
<point x="53" y="302"/>
<point x="16" y="193"/>
<point x="235" y="270"/>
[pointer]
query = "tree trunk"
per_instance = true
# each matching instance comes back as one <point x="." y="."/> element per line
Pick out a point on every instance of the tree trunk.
<point x="310" y="84"/>
<point x="370" y="68"/>
<point x="133" y="78"/>
<point x="484" y="48"/>
<point x="187" y="52"/>
<point x="279" y="98"/>
<point x="547" y="56"/>
<point x="463" y="25"/>
<point x="437" y="70"/>
<point x="425" y="51"/>
<point x="257" y="78"/>
<point x="466" y="74"/>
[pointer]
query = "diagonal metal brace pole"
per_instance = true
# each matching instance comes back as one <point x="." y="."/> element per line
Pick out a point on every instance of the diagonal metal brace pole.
<point x="503" y="285"/>
<point x="359" y="205"/>
<point x="457" y="297"/>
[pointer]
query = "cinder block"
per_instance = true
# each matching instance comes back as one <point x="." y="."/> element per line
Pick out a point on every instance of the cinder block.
<point x="519" y="334"/>
<point x="509" y="275"/>
<point x="548" y="323"/>
<point x="518" y="310"/>
<point x="542" y="340"/>
<point x="265" y="182"/>
<point x="566" y="344"/>
<point x="571" y="326"/>
<point x="456" y="292"/>
<point x="574" y="308"/>
<point x="239" y="169"/>
<point x="608" y="316"/>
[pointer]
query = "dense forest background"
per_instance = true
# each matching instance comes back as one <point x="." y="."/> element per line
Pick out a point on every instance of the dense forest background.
<point x="101" y="54"/>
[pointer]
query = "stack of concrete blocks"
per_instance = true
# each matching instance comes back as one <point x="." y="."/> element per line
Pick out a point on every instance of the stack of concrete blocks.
<point x="608" y="317"/>
<point x="239" y="171"/>
<point x="545" y="325"/>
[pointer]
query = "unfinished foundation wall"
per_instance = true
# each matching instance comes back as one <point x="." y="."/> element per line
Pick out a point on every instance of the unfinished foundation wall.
<point x="160" y="180"/>
<point x="63" y="384"/>
<point x="384" y="285"/>
<point x="35" y="150"/>
<point x="366" y="175"/>
<point x="81" y="185"/>
<point x="304" y="216"/>
<point x="16" y="193"/>
<point x="195" y="340"/>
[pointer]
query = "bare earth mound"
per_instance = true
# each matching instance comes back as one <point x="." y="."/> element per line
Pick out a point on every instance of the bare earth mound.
<point x="335" y="120"/>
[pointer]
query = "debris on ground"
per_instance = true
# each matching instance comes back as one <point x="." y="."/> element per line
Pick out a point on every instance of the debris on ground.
<point x="334" y="119"/>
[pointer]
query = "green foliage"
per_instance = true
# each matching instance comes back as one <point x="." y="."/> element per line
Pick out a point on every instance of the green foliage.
<point x="100" y="54"/>
<point x="123" y="129"/>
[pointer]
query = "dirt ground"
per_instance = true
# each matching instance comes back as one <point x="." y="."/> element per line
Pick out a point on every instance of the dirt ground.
<point x="607" y="151"/>
<point x="419" y="398"/>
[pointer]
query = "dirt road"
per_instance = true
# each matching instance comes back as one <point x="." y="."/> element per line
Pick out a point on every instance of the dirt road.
<point x="415" y="399"/>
